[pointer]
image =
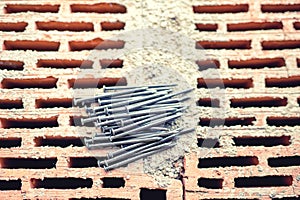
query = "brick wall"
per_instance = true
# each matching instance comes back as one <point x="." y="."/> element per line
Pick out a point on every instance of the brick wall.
<point x="254" y="46"/>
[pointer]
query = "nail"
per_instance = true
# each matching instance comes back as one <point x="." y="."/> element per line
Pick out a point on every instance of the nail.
<point x="159" y="129"/>
<point x="123" y="122"/>
<point x="109" y="101"/>
<point x="109" y="122"/>
<point x="123" y="150"/>
<point x="133" y="125"/>
<point x="127" y="102"/>
<point x="112" y="108"/>
<point x="93" y="99"/>
<point x="96" y="114"/>
<point x="108" y="128"/>
<point x="169" y="144"/>
<point x="91" y="118"/>
<point x="136" y="113"/>
<point x="151" y="124"/>
<point x="158" y="134"/>
<point x="152" y="101"/>
<point x="131" y="141"/>
<point x="132" y="159"/>
<point x="131" y="153"/>
<point x="175" y="105"/>
<point x="137" y="94"/>
<point x="175" y="100"/>
<point x="132" y="87"/>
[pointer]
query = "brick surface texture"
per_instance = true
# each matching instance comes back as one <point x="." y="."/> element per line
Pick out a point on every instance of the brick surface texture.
<point x="253" y="45"/>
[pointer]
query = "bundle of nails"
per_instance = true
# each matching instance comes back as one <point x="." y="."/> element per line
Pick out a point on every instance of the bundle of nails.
<point x="137" y="119"/>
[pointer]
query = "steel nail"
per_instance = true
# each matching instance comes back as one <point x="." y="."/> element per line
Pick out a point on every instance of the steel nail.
<point x="158" y="129"/>
<point x="151" y="101"/>
<point x="106" y="95"/>
<point x="136" y="124"/>
<point x="132" y="87"/>
<point x="134" y="158"/>
<point x="136" y="113"/>
<point x="153" y="123"/>
<point x="131" y="141"/>
<point x="123" y="150"/>
<point x="175" y="105"/>
<point x="108" y="122"/>
<point x="132" y="120"/>
<point x="108" y="128"/>
<point x="131" y="153"/>
<point x="109" y="101"/>
<point x="137" y="94"/>
<point x="112" y="108"/>
<point x="127" y="102"/>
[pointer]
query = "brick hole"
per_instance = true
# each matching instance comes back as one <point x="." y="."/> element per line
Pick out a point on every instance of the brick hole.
<point x="206" y="27"/>
<point x="65" y="26"/>
<point x="10" y="184"/>
<point x="298" y="62"/>
<point x="62" y="142"/>
<point x="258" y="102"/>
<point x="29" y="122"/>
<point x="37" y="45"/>
<point x="113" y="182"/>
<point x="11" y="104"/>
<point x="61" y="183"/>
<point x="17" y="8"/>
<point x="221" y="8"/>
<point x="280" y="8"/>
<point x="11" y="65"/>
<point x="298" y="100"/>
<point x="227" y="161"/>
<point x="283" y="121"/>
<point x="280" y="44"/>
<point x="263" y="181"/>
<point x="10" y="142"/>
<point x="109" y="63"/>
<point x="208" y="64"/>
<point x="99" y="8"/>
<point x="11" y="26"/>
<point x="224" y="83"/>
<point x="45" y="83"/>
<point x="97" y="43"/>
<point x="53" y="103"/>
<point x="284" y="161"/>
<point x="254" y="26"/>
<point x="208" y="143"/>
<point x="95" y="83"/>
<point x="208" y="102"/>
<point x="111" y="26"/>
<point x="210" y="183"/>
<point x="150" y="194"/>
<point x="28" y="163"/>
<point x="83" y="162"/>
<point x="230" y="45"/>
<point x="64" y="64"/>
<point x="234" y="121"/>
<point x="262" y="141"/>
<point x="291" y="81"/>
<point x="259" y="63"/>
<point x="296" y="25"/>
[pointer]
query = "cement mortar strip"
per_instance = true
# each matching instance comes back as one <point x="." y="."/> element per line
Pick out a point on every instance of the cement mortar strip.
<point x="57" y="36"/>
<point x="111" y="53"/>
<point x="243" y="195"/>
